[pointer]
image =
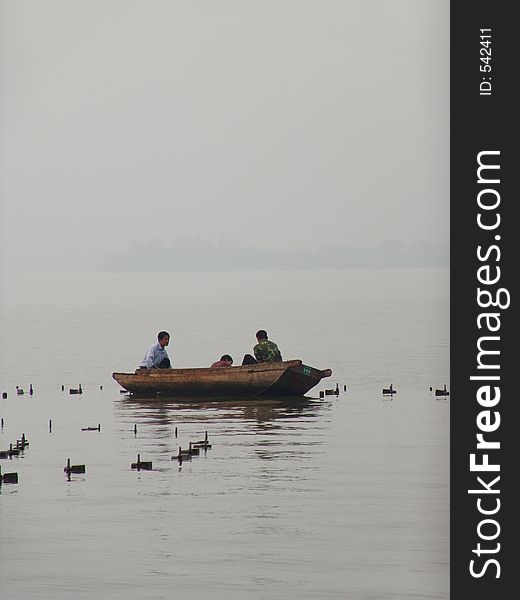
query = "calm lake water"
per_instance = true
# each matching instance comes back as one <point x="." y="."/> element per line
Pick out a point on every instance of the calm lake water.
<point x="345" y="497"/>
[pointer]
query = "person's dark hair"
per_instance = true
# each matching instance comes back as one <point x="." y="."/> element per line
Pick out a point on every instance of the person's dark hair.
<point x="162" y="334"/>
<point x="261" y="334"/>
<point x="226" y="357"/>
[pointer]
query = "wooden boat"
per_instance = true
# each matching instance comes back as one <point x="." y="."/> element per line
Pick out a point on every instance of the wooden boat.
<point x="282" y="379"/>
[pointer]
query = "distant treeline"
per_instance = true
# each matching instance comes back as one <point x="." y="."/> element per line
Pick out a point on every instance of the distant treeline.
<point x="194" y="255"/>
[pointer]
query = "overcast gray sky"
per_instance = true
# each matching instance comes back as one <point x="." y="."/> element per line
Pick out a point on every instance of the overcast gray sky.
<point x="284" y="124"/>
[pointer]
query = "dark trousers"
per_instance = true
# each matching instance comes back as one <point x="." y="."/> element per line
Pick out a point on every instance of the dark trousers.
<point x="249" y="360"/>
<point x="164" y="364"/>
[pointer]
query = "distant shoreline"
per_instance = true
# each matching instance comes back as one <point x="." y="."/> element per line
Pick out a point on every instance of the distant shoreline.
<point x="185" y="255"/>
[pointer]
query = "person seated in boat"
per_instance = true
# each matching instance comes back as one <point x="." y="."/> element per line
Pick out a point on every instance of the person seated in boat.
<point x="264" y="351"/>
<point x="157" y="357"/>
<point x="225" y="361"/>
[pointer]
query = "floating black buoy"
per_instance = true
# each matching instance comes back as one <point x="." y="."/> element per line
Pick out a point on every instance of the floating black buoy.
<point x="135" y="429"/>
<point x="146" y="465"/>
<point x="389" y="391"/>
<point x="176" y="432"/>
<point x="50" y="425"/>
<point x="344" y="388"/>
<point x="31" y="389"/>
<point x="62" y="388"/>
<point x="100" y="387"/>
<point x="205" y="440"/>
<point x="203" y="443"/>
<point x="193" y="450"/>
<point x="98" y="428"/>
<point x="443" y="392"/>
<point x="8" y="477"/>
<point x="4" y="395"/>
<point x="2" y="422"/>
<point x="73" y="468"/>
<point x="22" y="443"/>
<point x="183" y="455"/>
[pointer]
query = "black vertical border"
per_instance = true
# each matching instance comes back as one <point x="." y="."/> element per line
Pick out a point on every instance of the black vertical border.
<point x="482" y="123"/>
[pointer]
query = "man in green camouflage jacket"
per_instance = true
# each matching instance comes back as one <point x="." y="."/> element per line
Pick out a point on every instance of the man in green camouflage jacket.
<point x="265" y="350"/>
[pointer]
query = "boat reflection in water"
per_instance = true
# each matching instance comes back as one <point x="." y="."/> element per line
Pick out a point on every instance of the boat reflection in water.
<point x="267" y="427"/>
<point x="178" y="410"/>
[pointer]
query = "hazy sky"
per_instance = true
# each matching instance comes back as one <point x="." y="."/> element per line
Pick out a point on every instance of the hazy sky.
<point x="284" y="124"/>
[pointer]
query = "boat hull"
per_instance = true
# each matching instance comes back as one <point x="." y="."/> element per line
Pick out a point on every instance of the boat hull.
<point x="284" y="379"/>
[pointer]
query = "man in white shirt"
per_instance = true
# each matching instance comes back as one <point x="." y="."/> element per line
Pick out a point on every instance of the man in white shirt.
<point x="157" y="357"/>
